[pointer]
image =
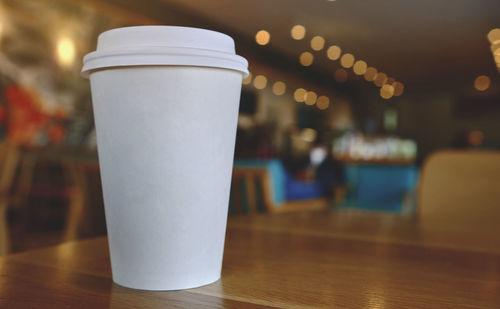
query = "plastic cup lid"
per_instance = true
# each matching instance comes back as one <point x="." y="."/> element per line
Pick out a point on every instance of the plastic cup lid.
<point x="163" y="45"/>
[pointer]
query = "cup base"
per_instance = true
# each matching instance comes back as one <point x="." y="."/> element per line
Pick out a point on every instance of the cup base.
<point x="165" y="288"/>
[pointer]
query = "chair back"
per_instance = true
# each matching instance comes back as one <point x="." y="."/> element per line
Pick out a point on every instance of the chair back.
<point x="461" y="188"/>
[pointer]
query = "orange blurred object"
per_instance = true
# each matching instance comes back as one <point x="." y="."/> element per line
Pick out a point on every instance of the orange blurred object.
<point x="56" y="134"/>
<point x="475" y="138"/>
<point x="23" y="116"/>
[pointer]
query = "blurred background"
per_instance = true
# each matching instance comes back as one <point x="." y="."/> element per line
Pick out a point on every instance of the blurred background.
<point x="346" y="105"/>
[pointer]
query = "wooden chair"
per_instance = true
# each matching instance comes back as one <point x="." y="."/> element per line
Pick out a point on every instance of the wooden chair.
<point x="461" y="189"/>
<point x="252" y="187"/>
<point x="9" y="159"/>
<point x="17" y="187"/>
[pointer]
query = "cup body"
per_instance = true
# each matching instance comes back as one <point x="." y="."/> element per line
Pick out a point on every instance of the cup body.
<point x="166" y="137"/>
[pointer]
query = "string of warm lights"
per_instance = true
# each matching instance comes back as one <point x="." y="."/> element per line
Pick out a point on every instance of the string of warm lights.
<point x="298" y="32"/>
<point x="278" y="88"/>
<point x="389" y="87"/>
<point x="494" y="38"/>
<point x="483" y="82"/>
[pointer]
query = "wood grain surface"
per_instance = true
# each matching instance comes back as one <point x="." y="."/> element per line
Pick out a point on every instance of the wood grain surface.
<point x="328" y="259"/>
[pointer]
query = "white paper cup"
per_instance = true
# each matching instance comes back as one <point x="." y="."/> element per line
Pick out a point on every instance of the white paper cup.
<point x="166" y="126"/>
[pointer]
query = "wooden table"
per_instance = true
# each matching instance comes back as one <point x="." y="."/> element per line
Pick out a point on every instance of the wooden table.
<point x="327" y="259"/>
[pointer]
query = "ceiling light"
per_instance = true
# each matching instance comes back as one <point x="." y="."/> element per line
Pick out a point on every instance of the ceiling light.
<point x="262" y="37"/>
<point x="317" y="43"/>
<point x="387" y="91"/>
<point x="65" y="51"/>
<point x="333" y="52"/>
<point x="323" y="102"/>
<point x="298" y="32"/>
<point x="260" y="82"/>
<point x="279" y="88"/>
<point x="347" y="60"/>
<point x="310" y="98"/>
<point x="380" y="79"/>
<point x="481" y="83"/>
<point x="359" y="67"/>
<point x="299" y="95"/>
<point x="494" y="36"/>
<point x="306" y="59"/>
<point x="398" y="88"/>
<point x="370" y="74"/>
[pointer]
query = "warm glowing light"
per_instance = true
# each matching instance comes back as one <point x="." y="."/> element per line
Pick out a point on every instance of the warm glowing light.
<point x="475" y="137"/>
<point x="370" y="74"/>
<point x="66" y="51"/>
<point x="308" y="134"/>
<point x="359" y="67"/>
<point x="333" y="52"/>
<point x="380" y="79"/>
<point x="262" y="37"/>
<point x="494" y="36"/>
<point x="340" y="75"/>
<point x="300" y="95"/>
<point x="310" y="98"/>
<point x="482" y="83"/>
<point x="298" y="32"/>
<point x="260" y="82"/>
<point x="279" y="88"/>
<point x="390" y="80"/>
<point x="398" y="88"/>
<point x="306" y="59"/>
<point x="347" y="60"/>
<point x="317" y="43"/>
<point x="495" y="48"/>
<point x="323" y="102"/>
<point x="387" y="91"/>
<point x="247" y="80"/>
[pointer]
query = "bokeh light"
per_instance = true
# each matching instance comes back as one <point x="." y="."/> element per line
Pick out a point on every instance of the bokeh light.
<point x="387" y="91"/>
<point x="65" y="51"/>
<point x="306" y="59"/>
<point x="279" y="88"/>
<point x="495" y="48"/>
<point x="371" y="74"/>
<point x="475" y="137"/>
<point x="323" y="102"/>
<point x="347" y="60"/>
<point x="398" y="88"/>
<point x="380" y="79"/>
<point x="317" y="43"/>
<point x="262" y="37"/>
<point x="482" y="82"/>
<point x="300" y="95"/>
<point x="260" y="82"/>
<point x="359" y="67"/>
<point x="494" y="36"/>
<point x="310" y="98"/>
<point x="333" y="52"/>
<point x="298" y="32"/>
<point x="308" y="134"/>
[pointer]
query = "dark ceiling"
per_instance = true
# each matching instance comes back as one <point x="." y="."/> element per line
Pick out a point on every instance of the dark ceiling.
<point x="414" y="41"/>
